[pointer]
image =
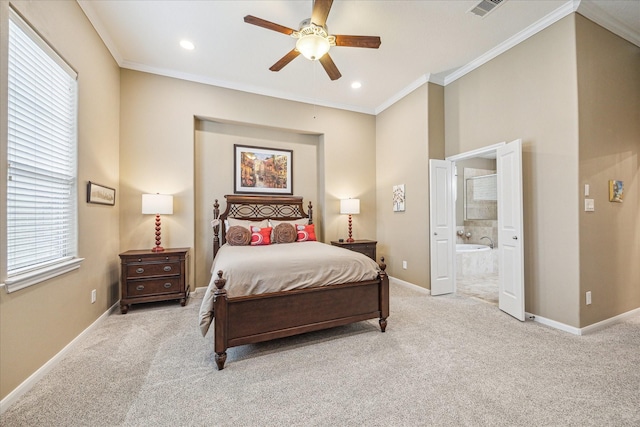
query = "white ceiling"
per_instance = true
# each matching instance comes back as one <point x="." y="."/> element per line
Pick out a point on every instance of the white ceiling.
<point x="422" y="40"/>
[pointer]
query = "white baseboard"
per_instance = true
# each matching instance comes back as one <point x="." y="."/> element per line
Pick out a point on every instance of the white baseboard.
<point x="27" y="384"/>
<point x="409" y="285"/>
<point x="199" y="291"/>
<point x="587" y="329"/>
<point x="610" y="321"/>
<point x="552" y="323"/>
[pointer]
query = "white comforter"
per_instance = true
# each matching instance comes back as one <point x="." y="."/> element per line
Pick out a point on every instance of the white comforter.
<point x="251" y="270"/>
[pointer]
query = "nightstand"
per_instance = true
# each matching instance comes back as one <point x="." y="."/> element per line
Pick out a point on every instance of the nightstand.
<point x="153" y="276"/>
<point x="367" y="247"/>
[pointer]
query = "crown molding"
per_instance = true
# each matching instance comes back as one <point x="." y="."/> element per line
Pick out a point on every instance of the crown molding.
<point x="564" y="10"/>
<point x="594" y="13"/>
<point x="427" y="78"/>
<point x="96" y="22"/>
<point x="242" y="88"/>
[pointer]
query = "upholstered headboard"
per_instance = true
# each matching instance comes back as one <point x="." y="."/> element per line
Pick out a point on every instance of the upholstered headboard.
<point x="256" y="208"/>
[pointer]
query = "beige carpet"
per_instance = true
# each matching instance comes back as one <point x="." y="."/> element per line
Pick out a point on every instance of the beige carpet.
<point x="444" y="361"/>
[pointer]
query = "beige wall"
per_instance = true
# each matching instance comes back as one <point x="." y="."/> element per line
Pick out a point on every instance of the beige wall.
<point x="214" y="168"/>
<point x="407" y="134"/>
<point x="139" y="133"/>
<point x="609" y="105"/>
<point x="159" y="118"/>
<point x="37" y="322"/>
<point x="530" y="92"/>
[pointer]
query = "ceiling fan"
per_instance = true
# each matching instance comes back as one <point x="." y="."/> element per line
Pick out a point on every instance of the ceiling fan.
<point x="314" y="40"/>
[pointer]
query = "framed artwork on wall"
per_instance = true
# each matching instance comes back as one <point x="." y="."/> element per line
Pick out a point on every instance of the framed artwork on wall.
<point x="260" y="170"/>
<point x="100" y="194"/>
<point x="398" y="198"/>
<point x="616" y="191"/>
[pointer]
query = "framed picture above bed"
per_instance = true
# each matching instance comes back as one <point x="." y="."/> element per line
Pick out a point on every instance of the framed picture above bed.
<point x="259" y="170"/>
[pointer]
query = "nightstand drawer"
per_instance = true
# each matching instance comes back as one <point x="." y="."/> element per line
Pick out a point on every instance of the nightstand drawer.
<point x="147" y="276"/>
<point x="153" y="287"/>
<point x="151" y="270"/>
<point x="365" y="247"/>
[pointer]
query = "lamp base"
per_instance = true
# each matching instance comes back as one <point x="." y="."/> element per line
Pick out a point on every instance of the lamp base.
<point x="158" y="248"/>
<point x="350" y="239"/>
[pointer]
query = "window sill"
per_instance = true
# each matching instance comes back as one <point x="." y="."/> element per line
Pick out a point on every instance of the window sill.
<point x="22" y="281"/>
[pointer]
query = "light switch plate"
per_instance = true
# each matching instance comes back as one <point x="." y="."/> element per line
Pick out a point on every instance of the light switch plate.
<point x="589" y="205"/>
<point x="586" y="189"/>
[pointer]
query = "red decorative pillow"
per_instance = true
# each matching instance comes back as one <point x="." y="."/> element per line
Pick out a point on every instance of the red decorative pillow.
<point x="260" y="236"/>
<point x="306" y="232"/>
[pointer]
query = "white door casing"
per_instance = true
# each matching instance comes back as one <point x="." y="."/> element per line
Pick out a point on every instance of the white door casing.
<point x="510" y="225"/>
<point x="441" y="226"/>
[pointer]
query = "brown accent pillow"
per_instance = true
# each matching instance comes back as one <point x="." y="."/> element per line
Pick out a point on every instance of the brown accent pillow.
<point x="238" y="236"/>
<point x="284" y="233"/>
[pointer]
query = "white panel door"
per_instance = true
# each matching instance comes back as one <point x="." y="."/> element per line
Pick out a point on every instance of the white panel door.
<point x="441" y="226"/>
<point x="510" y="239"/>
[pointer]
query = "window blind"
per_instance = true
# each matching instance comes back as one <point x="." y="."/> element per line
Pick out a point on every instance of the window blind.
<point x="41" y="184"/>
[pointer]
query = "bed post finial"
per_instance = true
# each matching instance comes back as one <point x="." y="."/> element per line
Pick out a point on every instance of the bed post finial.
<point x="220" y="282"/>
<point x="310" y="213"/>
<point x="382" y="265"/>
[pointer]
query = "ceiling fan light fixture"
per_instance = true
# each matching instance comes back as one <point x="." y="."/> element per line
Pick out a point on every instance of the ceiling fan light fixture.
<point x="313" y="46"/>
<point x="186" y="44"/>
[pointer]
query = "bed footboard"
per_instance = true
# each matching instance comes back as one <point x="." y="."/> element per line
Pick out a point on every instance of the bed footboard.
<point x="257" y="318"/>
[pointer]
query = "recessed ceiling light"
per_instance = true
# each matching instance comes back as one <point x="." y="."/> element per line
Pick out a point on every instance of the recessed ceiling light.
<point x="186" y="44"/>
<point x="356" y="85"/>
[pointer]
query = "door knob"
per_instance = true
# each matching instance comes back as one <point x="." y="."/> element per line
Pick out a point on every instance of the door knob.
<point x="435" y="234"/>
<point x="515" y="237"/>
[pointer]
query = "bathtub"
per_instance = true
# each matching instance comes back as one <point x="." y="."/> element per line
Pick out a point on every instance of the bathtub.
<point x="468" y="247"/>
<point x="474" y="259"/>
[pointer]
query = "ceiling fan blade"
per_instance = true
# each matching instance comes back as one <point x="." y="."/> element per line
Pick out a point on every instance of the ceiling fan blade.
<point x="293" y="54"/>
<point x="268" y="25"/>
<point x="320" y="11"/>
<point x="330" y="67"/>
<point x="372" y="42"/>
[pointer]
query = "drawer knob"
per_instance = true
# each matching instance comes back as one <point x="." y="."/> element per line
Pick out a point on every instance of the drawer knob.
<point x="139" y="270"/>
<point x="140" y="288"/>
<point x="167" y="268"/>
<point x="167" y="285"/>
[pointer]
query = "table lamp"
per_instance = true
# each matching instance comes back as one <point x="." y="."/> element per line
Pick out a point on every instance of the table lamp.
<point x="350" y="207"/>
<point x="157" y="204"/>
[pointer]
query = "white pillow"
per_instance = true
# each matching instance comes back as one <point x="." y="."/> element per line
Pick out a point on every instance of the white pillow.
<point x="294" y="222"/>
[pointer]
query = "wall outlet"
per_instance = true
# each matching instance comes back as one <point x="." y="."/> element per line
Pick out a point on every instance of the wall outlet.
<point x="588" y="297"/>
<point x="404" y="265"/>
<point x="94" y="295"/>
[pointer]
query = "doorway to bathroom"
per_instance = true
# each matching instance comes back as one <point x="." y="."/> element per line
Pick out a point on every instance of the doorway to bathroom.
<point x="443" y="199"/>
<point x="476" y="211"/>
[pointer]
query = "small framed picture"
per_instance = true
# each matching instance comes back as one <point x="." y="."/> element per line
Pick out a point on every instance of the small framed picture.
<point x="100" y="194"/>
<point x="260" y="170"/>
<point x="616" y="191"/>
<point x="398" y="198"/>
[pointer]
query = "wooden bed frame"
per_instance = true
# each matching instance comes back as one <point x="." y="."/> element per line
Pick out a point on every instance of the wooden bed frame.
<point x="256" y="318"/>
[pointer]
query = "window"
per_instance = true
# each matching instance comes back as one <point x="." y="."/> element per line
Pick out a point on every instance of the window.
<point x="41" y="182"/>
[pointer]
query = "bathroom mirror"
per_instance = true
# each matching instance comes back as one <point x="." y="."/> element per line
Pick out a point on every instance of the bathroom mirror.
<point x="481" y="197"/>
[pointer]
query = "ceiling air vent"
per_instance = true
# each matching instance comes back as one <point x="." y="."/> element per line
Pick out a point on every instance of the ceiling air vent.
<point x="483" y="8"/>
